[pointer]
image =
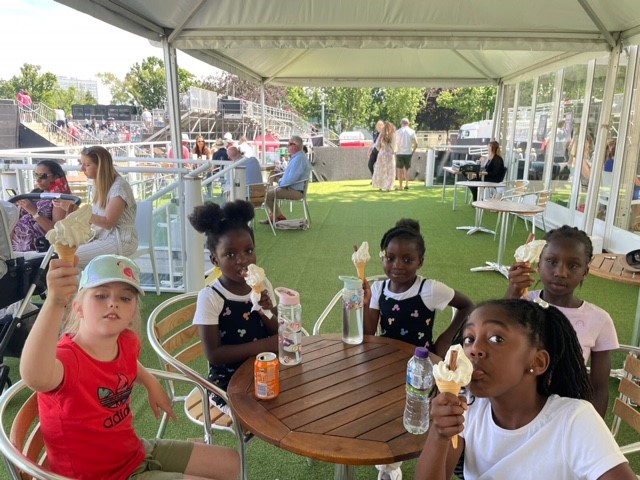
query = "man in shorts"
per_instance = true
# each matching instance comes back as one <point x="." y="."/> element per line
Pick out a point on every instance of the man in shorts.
<point x="406" y="144"/>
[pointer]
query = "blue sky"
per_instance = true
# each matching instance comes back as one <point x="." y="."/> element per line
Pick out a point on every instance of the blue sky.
<point x="66" y="42"/>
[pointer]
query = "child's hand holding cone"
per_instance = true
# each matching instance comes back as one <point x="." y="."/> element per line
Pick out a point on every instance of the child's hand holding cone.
<point x="453" y="373"/>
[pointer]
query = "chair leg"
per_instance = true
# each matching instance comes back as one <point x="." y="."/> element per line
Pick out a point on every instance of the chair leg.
<point x="495" y="232"/>
<point x="307" y="216"/>
<point x="152" y="256"/>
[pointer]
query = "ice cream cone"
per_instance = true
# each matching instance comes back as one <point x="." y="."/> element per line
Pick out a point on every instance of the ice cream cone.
<point x="454" y="388"/>
<point x="66" y="253"/>
<point x="258" y="288"/>
<point x="360" y="266"/>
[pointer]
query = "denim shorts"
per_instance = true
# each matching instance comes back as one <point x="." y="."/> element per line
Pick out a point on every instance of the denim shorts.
<point x="164" y="460"/>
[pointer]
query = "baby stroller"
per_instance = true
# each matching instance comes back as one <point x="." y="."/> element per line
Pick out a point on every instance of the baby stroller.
<point x="22" y="275"/>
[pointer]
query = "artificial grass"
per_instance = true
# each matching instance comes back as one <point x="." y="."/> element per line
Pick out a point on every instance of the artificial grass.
<point x="346" y="213"/>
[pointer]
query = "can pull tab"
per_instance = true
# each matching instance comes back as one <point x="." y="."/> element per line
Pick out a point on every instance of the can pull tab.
<point x="286" y="296"/>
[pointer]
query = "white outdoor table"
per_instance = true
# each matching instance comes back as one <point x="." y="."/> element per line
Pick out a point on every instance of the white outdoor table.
<point x="477" y="227"/>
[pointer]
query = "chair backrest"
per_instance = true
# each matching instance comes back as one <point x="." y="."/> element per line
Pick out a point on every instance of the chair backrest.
<point x="542" y="198"/>
<point x="256" y="194"/>
<point x="625" y="407"/>
<point x="144" y="223"/>
<point x="177" y="343"/>
<point x="23" y="448"/>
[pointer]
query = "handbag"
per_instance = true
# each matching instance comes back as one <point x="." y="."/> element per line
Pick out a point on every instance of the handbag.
<point x="469" y="168"/>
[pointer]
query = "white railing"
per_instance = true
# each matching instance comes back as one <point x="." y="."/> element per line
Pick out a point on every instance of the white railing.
<point x="153" y="178"/>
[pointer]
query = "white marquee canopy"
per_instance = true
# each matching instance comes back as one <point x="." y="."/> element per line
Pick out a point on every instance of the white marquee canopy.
<point x="383" y="43"/>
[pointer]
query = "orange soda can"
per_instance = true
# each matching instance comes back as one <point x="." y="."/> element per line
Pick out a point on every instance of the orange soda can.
<point x="266" y="376"/>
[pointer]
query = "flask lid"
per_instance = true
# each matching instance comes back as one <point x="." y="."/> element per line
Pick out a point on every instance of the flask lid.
<point x="422" y="352"/>
<point x="287" y="296"/>
<point x="351" y="283"/>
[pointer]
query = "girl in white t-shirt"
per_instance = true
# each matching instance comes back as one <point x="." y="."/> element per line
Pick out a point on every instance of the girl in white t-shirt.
<point x="563" y="266"/>
<point x="404" y="305"/>
<point x="230" y="330"/>
<point x="530" y="417"/>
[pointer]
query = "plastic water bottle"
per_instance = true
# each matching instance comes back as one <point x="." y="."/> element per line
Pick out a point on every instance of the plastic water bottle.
<point x="419" y="385"/>
<point x="352" y="310"/>
<point x="289" y="326"/>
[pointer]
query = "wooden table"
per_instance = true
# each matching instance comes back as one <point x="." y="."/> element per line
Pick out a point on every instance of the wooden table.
<point x="506" y="207"/>
<point x="343" y="404"/>
<point x="477" y="227"/>
<point x="609" y="266"/>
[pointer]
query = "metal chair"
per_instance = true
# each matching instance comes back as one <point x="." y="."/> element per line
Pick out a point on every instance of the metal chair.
<point x="513" y="191"/>
<point x="542" y="198"/>
<point x="177" y="343"/>
<point x="305" y="205"/>
<point x="332" y="303"/>
<point x="144" y="226"/>
<point x="257" y="195"/>
<point x="625" y="407"/>
<point x="23" y="447"/>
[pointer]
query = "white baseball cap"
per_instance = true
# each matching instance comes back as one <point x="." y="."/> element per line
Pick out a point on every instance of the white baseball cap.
<point x="185" y="137"/>
<point x="228" y="137"/>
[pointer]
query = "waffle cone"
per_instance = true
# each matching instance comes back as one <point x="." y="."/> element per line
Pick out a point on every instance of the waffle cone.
<point x="360" y="266"/>
<point x="66" y="253"/>
<point x="258" y="287"/>
<point x="453" y="388"/>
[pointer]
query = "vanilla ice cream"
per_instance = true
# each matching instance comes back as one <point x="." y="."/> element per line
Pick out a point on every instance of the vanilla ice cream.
<point x="360" y="258"/>
<point x="462" y="373"/>
<point x="530" y="252"/>
<point x="257" y="280"/>
<point x="74" y="229"/>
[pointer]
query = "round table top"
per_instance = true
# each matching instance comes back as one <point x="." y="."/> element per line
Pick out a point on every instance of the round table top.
<point x="472" y="183"/>
<point x="508" y="206"/>
<point x="342" y="404"/>
<point x="609" y="266"/>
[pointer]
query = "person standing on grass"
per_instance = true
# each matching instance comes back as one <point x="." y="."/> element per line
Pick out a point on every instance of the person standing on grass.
<point x="373" y="151"/>
<point x="85" y="379"/>
<point x="406" y="145"/>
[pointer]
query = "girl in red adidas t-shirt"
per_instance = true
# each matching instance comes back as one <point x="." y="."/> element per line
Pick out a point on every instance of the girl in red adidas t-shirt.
<point x="84" y="382"/>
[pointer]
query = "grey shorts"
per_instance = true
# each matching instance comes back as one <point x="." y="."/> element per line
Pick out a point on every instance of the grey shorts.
<point x="403" y="161"/>
<point x="164" y="460"/>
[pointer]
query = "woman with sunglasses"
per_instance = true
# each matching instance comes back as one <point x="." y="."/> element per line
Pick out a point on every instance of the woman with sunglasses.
<point x="37" y="218"/>
<point x="200" y="150"/>
<point x="114" y="208"/>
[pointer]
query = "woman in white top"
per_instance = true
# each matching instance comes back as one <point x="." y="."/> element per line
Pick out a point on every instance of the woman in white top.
<point x="114" y="208"/>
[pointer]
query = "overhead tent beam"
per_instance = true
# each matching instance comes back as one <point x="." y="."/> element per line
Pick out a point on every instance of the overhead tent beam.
<point x="176" y="31"/>
<point x="382" y="82"/>
<point x="294" y="59"/>
<point x="114" y="14"/>
<point x="597" y="22"/>
<point x="216" y="59"/>
<point x="547" y="64"/>
<point x="482" y="72"/>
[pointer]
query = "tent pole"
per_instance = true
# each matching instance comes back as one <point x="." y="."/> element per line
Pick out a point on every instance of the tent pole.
<point x="263" y="119"/>
<point x="497" y="111"/>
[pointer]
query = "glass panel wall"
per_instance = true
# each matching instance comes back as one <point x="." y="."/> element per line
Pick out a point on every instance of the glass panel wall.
<point x="542" y="123"/>
<point x="628" y="207"/>
<point x="583" y="165"/>
<point x="567" y="133"/>
<point x="523" y="130"/>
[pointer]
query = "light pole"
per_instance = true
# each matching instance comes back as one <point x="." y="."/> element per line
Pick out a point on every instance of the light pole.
<point x="322" y="111"/>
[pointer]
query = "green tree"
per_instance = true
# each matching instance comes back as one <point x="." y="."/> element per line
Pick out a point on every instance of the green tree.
<point x="397" y="103"/>
<point x="39" y="85"/>
<point x="145" y="84"/>
<point x="64" y="99"/>
<point x="353" y="106"/>
<point x="470" y="103"/>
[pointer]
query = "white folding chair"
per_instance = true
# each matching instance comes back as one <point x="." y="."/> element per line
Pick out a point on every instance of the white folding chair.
<point x="144" y="226"/>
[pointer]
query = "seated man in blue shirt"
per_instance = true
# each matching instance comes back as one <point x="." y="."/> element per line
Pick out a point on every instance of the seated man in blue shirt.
<point x="291" y="185"/>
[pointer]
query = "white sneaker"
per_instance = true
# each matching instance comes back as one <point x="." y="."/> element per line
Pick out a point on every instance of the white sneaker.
<point x="390" y="472"/>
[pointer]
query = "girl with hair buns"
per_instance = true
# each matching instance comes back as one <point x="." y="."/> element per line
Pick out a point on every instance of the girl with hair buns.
<point x="114" y="208"/>
<point x="231" y="332"/>
<point x="530" y="416"/>
<point x="404" y="305"/>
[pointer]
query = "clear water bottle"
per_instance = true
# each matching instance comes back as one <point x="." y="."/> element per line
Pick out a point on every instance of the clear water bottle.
<point x="352" y="310"/>
<point x="289" y="326"/>
<point x="419" y="385"/>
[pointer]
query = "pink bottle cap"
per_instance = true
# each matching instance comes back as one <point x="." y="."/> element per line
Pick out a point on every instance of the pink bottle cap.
<point x="287" y="296"/>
